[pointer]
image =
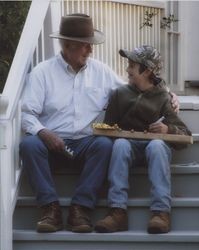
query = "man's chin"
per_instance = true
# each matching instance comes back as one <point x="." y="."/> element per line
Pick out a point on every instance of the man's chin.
<point x="84" y="61"/>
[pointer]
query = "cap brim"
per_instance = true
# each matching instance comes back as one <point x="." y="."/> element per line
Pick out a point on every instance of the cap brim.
<point x="96" y="39"/>
<point x="130" y="55"/>
<point x="123" y="53"/>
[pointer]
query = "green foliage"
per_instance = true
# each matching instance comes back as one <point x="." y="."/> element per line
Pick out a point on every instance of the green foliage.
<point x="148" y="19"/>
<point x="164" y="23"/>
<point x="12" y="18"/>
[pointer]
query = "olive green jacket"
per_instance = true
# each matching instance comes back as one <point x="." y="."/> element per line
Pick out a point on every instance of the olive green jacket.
<point x="131" y="108"/>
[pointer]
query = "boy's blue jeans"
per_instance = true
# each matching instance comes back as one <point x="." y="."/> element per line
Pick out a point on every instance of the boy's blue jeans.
<point x="94" y="152"/>
<point x="157" y="155"/>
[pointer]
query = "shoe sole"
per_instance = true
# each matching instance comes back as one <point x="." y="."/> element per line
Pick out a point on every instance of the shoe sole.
<point x="101" y="229"/>
<point x="155" y="230"/>
<point x="80" y="229"/>
<point x="46" y="228"/>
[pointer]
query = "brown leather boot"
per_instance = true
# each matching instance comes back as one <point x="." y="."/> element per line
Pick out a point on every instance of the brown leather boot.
<point x="159" y="223"/>
<point x="51" y="220"/>
<point x="79" y="219"/>
<point x="116" y="220"/>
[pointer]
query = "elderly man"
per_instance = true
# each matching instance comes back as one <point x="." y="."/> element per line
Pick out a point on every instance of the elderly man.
<point x="63" y="96"/>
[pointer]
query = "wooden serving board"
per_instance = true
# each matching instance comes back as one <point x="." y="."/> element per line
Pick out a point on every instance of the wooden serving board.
<point x="146" y="136"/>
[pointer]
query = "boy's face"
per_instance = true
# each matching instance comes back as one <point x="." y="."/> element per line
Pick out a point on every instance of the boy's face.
<point x="134" y="75"/>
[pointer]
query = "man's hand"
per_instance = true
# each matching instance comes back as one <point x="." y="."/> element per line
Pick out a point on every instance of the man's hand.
<point x="51" y="140"/>
<point x="174" y="102"/>
<point x="158" y="127"/>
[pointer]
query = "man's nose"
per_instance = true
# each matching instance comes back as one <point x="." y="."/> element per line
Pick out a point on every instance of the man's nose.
<point x="90" y="47"/>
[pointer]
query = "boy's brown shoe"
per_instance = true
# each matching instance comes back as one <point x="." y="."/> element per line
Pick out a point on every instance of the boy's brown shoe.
<point x="79" y="219"/>
<point x="51" y="220"/>
<point x="159" y="223"/>
<point x="116" y="220"/>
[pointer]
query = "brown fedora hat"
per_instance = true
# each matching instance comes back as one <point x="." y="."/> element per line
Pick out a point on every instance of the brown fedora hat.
<point x="78" y="27"/>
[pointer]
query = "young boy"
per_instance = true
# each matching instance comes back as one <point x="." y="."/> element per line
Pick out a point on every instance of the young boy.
<point x="139" y="106"/>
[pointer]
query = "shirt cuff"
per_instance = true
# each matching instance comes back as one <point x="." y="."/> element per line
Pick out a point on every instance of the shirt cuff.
<point x="36" y="129"/>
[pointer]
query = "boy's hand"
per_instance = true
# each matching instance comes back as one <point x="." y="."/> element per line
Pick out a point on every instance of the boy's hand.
<point x="158" y="127"/>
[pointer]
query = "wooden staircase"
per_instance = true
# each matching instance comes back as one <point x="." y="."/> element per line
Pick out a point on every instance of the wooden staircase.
<point x="35" y="46"/>
<point x="184" y="233"/>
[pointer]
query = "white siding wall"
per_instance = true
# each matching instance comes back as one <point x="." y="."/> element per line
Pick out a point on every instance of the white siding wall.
<point x="189" y="16"/>
<point x="173" y="41"/>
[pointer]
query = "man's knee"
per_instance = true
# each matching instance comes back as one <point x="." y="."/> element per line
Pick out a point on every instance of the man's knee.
<point x="103" y="143"/>
<point x="30" y="144"/>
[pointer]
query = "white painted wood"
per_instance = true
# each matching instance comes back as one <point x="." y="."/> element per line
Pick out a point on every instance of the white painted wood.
<point x="190" y="20"/>
<point x="10" y="172"/>
<point x="189" y="102"/>
<point x="5" y="188"/>
<point x="173" y="46"/>
<point x="56" y="11"/>
<point x="23" y="55"/>
<point x="10" y="115"/>
<point x="155" y="4"/>
<point x="3" y="104"/>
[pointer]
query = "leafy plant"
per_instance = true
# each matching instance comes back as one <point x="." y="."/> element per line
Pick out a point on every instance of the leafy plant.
<point x="164" y="23"/>
<point x="148" y="19"/>
<point x="12" y="18"/>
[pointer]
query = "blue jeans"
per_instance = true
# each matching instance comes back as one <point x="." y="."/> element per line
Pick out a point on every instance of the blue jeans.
<point x="157" y="155"/>
<point x="94" y="152"/>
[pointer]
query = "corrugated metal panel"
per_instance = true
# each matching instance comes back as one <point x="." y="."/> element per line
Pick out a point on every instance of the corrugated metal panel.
<point x="121" y="24"/>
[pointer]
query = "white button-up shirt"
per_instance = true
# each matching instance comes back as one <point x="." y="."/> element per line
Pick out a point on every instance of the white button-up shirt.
<point x="63" y="101"/>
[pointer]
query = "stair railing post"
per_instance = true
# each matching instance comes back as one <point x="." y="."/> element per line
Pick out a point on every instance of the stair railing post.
<point x="5" y="189"/>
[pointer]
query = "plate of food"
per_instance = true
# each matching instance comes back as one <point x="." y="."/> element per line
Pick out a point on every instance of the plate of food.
<point x="103" y="129"/>
<point x="104" y="126"/>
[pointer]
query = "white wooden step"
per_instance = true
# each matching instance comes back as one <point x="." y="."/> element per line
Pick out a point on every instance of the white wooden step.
<point x="131" y="240"/>
<point x="184" y="182"/>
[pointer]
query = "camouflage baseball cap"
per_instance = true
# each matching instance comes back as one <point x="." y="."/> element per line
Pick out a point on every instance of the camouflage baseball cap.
<point x="146" y="55"/>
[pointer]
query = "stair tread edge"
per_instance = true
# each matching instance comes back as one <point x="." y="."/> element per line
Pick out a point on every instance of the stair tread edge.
<point x="175" y="236"/>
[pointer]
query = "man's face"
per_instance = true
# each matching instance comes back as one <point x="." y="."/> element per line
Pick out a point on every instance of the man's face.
<point x="134" y="75"/>
<point x="77" y="53"/>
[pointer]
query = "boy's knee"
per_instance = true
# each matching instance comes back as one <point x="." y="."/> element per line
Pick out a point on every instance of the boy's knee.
<point x="156" y="145"/>
<point x="122" y="144"/>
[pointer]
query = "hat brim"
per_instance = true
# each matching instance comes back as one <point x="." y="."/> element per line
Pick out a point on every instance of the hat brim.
<point x="130" y="55"/>
<point x="96" y="39"/>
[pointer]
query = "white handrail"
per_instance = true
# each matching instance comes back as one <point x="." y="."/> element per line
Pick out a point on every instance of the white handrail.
<point x="23" y="55"/>
<point x="5" y="192"/>
<point x="10" y="169"/>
